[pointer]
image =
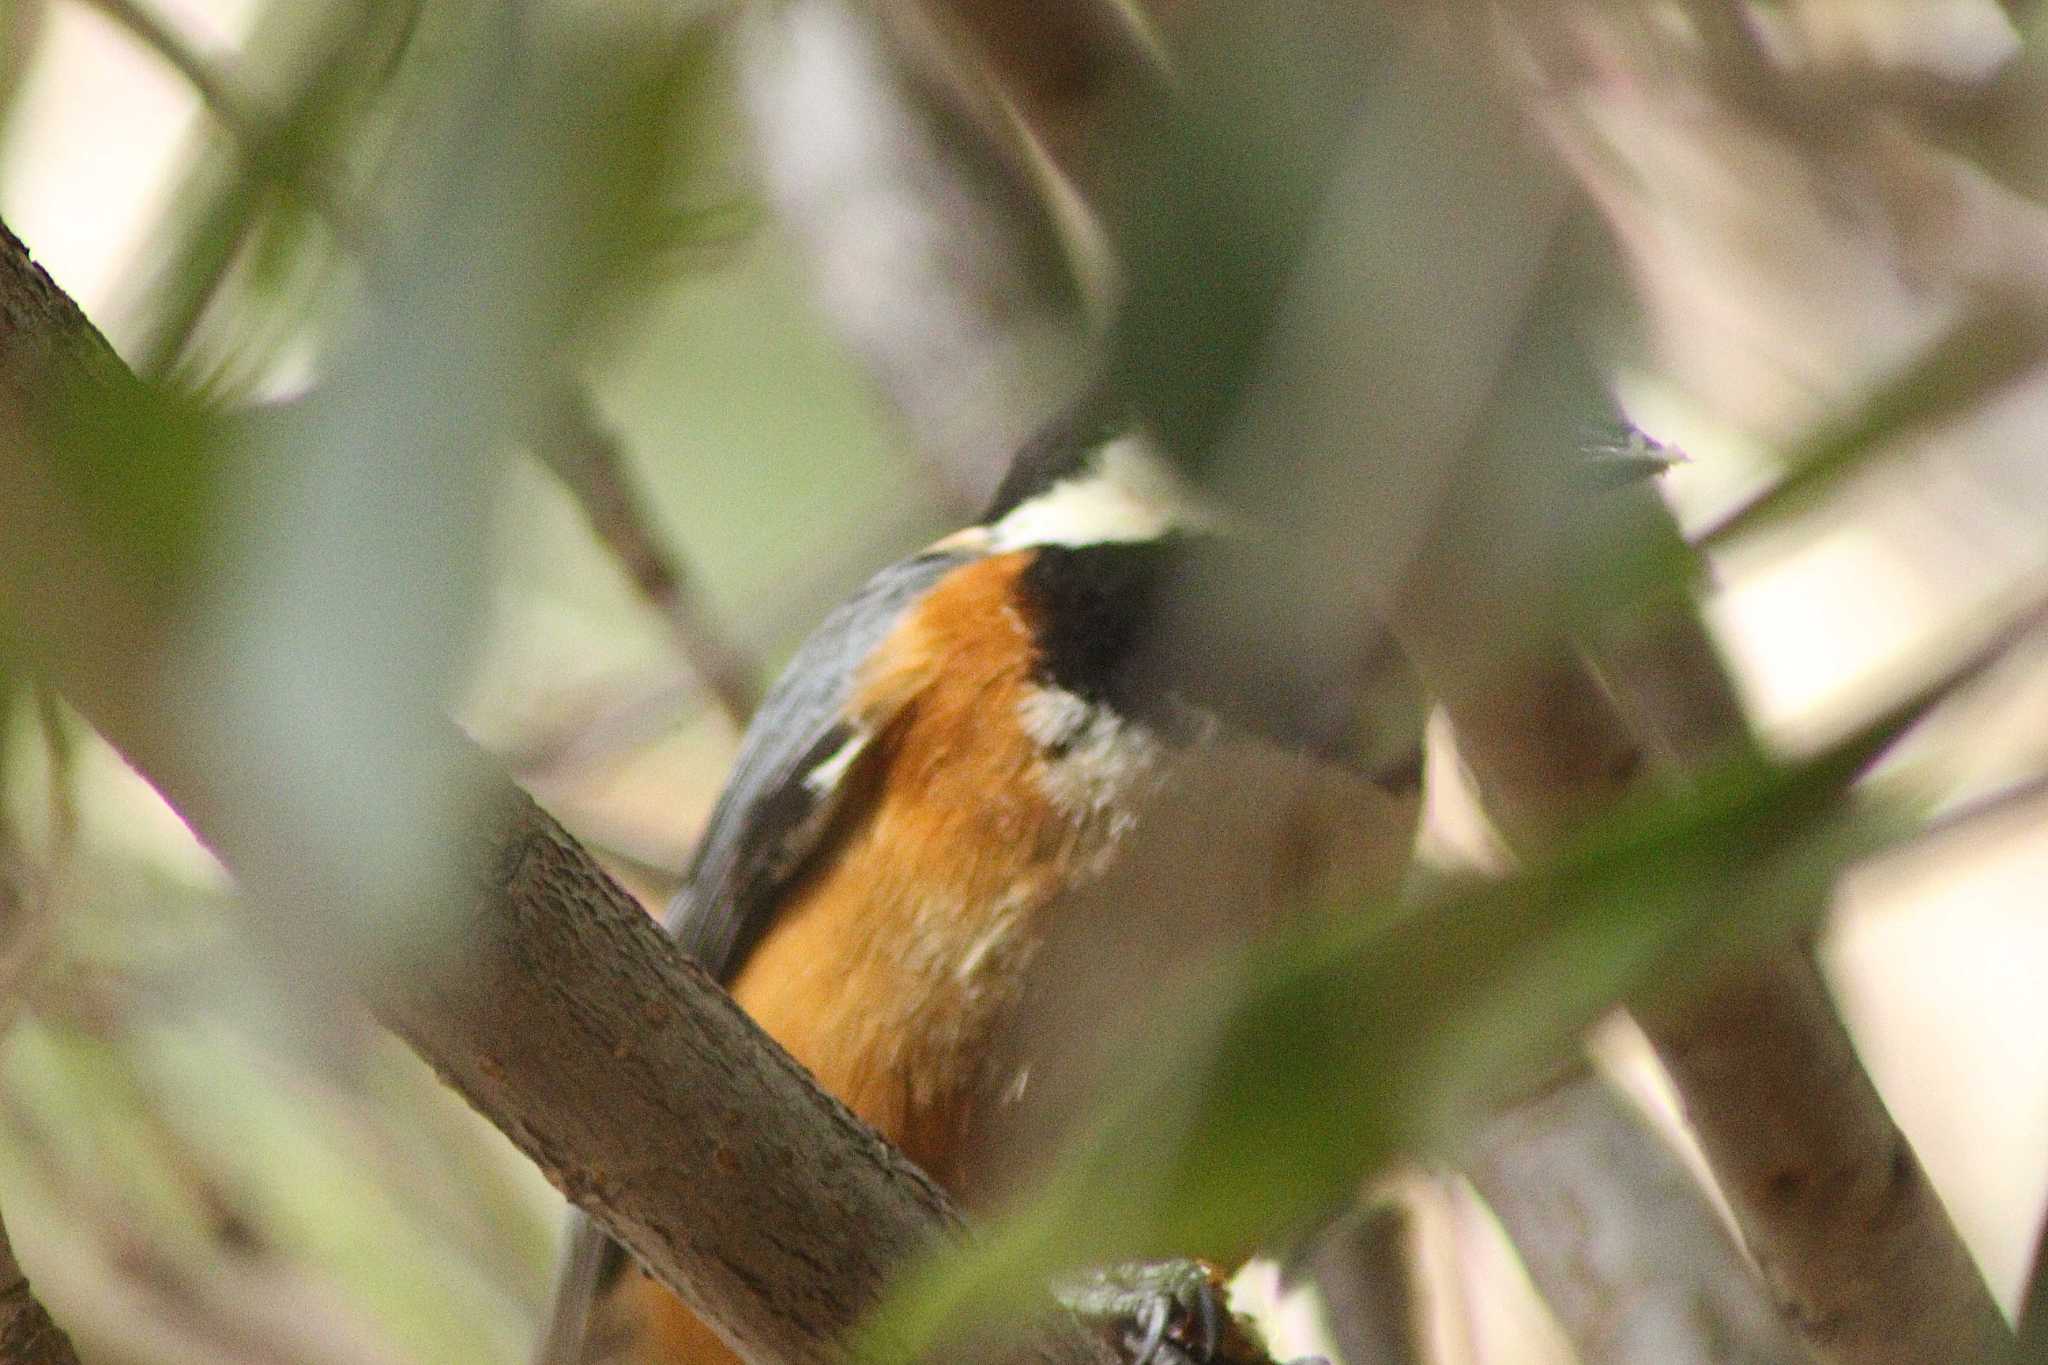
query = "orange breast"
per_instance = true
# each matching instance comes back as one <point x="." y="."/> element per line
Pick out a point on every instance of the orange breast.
<point x="897" y="968"/>
<point x="892" y="965"/>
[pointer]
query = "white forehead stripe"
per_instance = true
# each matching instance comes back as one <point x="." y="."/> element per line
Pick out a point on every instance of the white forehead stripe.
<point x="1127" y="493"/>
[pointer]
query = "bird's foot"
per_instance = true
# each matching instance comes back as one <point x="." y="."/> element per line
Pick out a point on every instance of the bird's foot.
<point x="1172" y="1312"/>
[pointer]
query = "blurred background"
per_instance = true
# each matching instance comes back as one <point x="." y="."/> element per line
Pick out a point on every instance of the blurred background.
<point x="240" y="192"/>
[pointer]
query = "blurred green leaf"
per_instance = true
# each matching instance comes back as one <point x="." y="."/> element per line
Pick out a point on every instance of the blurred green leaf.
<point x="1224" y="186"/>
<point x="242" y="218"/>
<point x="144" y="465"/>
<point x="1986" y="352"/>
<point x="352" y="595"/>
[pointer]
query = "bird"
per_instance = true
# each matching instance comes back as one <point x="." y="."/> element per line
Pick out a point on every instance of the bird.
<point x="932" y="828"/>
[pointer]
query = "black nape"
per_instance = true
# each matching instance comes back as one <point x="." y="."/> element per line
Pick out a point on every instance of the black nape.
<point x="1113" y="629"/>
<point x="1089" y="606"/>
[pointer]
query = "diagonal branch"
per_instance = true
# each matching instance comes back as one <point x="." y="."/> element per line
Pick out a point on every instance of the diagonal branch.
<point x="574" y="443"/>
<point x="27" y="1335"/>
<point x="1852" y="1240"/>
<point x="562" y="1013"/>
<point x="1617" y="1236"/>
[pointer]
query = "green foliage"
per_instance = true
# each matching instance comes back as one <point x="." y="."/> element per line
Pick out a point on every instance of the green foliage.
<point x="146" y="465"/>
<point x="1982" y="355"/>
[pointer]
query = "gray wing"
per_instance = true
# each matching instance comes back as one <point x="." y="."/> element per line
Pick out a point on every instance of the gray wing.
<point x="776" y="806"/>
<point x="791" y="770"/>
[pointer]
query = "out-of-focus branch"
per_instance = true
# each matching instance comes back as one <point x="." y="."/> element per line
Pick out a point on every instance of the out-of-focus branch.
<point x="1853" y="1242"/>
<point x="1618" y="1237"/>
<point x="564" y="1015"/>
<point x="1852" y="1239"/>
<point x="1494" y="614"/>
<point x="933" y="252"/>
<point x="27" y="1335"/>
<point x="1051" y="72"/>
<point x="585" y="455"/>
<point x="1365" y="1273"/>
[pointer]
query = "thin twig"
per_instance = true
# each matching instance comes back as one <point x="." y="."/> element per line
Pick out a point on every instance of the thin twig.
<point x="575" y="444"/>
<point x="239" y="112"/>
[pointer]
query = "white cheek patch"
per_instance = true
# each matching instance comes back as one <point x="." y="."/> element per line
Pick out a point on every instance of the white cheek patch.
<point x="1096" y="763"/>
<point x="1129" y="493"/>
<point x="1052" y="716"/>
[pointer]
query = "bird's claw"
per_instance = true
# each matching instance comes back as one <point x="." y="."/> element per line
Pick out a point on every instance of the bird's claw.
<point x="1159" y="1312"/>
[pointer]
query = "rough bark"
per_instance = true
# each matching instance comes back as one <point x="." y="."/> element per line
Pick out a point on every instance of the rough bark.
<point x="650" y="1099"/>
<point x="559" y="1011"/>
<point x="27" y="1335"/>
<point x="1618" y="1237"/>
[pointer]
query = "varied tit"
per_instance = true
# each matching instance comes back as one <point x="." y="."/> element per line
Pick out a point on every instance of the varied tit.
<point x="952" y="760"/>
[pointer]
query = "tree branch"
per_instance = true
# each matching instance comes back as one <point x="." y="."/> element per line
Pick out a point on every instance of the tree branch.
<point x="1852" y="1239"/>
<point x="560" y="1011"/>
<point x="646" y="1095"/>
<point x="1853" y="1243"/>
<point x="932" y="251"/>
<point x="1618" y="1237"/>
<point x="1364" y="1272"/>
<point x="27" y="1335"/>
<point x="1496" y="614"/>
<point x="574" y="443"/>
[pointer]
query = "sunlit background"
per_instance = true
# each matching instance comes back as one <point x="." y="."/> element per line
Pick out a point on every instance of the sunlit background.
<point x="158" y="1109"/>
